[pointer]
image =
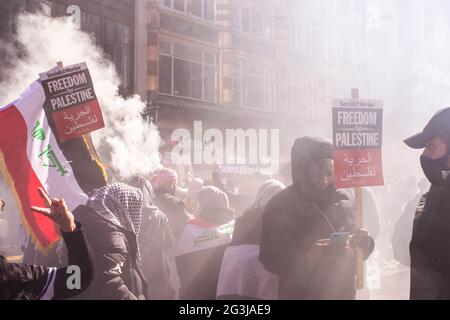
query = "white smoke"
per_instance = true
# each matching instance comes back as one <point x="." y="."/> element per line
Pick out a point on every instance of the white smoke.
<point x="128" y="143"/>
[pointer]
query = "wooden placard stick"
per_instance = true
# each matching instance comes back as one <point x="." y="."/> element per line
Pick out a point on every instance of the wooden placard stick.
<point x="358" y="222"/>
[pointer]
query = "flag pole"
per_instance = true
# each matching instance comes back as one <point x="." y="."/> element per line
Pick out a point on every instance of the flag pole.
<point x="358" y="222"/>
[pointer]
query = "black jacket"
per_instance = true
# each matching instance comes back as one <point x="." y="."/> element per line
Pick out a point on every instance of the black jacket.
<point x="430" y="246"/>
<point x="118" y="274"/>
<point x="175" y="210"/>
<point x="156" y="242"/>
<point x="293" y="222"/>
<point x="247" y="228"/>
<point x="23" y="281"/>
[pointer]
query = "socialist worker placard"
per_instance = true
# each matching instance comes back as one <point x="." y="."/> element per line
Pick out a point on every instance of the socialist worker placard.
<point x="357" y="139"/>
<point x="72" y="101"/>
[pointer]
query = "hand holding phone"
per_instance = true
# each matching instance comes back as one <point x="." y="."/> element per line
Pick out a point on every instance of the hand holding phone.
<point x="339" y="238"/>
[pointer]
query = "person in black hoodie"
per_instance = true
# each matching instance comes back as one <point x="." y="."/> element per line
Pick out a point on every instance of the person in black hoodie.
<point x="430" y="242"/>
<point x="296" y="240"/>
<point x="157" y="244"/>
<point x="20" y="281"/>
<point x="112" y="220"/>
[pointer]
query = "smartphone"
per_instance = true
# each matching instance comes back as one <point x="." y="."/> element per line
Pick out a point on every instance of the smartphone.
<point x="339" y="238"/>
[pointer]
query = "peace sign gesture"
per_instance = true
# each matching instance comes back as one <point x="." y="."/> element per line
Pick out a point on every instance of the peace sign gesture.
<point x="57" y="211"/>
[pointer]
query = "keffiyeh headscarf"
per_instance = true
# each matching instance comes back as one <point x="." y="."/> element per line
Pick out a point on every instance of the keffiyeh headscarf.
<point x="119" y="203"/>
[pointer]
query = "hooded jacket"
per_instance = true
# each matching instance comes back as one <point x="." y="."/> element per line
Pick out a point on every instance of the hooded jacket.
<point x="295" y="219"/>
<point x="156" y="242"/>
<point x="118" y="274"/>
<point x="175" y="210"/>
<point x="112" y="219"/>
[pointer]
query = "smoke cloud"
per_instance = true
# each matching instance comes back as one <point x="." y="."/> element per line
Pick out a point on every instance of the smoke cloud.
<point x="128" y="143"/>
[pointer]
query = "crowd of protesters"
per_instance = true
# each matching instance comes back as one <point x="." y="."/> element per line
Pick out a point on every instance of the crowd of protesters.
<point x="149" y="237"/>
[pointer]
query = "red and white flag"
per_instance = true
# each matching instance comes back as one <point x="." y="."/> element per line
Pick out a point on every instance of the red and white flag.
<point x="198" y="257"/>
<point x="30" y="158"/>
<point x="242" y="274"/>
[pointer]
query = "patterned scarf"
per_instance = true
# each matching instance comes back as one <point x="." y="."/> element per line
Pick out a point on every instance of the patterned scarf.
<point x="119" y="203"/>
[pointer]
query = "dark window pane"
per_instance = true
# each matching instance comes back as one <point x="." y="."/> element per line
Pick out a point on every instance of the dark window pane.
<point x="210" y="58"/>
<point x="164" y="47"/>
<point x="179" y="5"/>
<point x="236" y="15"/>
<point x="196" y="81"/>
<point x="5" y="22"/>
<point x="210" y="84"/>
<point x="182" y="78"/>
<point x="187" y="52"/>
<point x="237" y="90"/>
<point x="118" y="47"/>
<point x="197" y="8"/>
<point x="253" y="89"/>
<point x="268" y="26"/>
<point x="245" y="19"/>
<point x="209" y="10"/>
<point x="59" y="10"/>
<point x="165" y="74"/>
<point x="269" y="96"/>
<point x="253" y="68"/>
<point x="257" y="22"/>
<point x="91" y="24"/>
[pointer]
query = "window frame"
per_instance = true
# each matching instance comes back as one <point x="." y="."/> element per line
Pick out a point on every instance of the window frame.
<point x="203" y="14"/>
<point x="267" y="14"/>
<point x="300" y="35"/>
<point x="172" y="6"/>
<point x="267" y="70"/>
<point x="205" y="51"/>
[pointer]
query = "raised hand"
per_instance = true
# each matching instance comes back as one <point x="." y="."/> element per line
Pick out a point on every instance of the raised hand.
<point x="56" y="210"/>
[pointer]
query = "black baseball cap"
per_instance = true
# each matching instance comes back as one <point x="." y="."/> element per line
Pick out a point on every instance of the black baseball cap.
<point x="438" y="124"/>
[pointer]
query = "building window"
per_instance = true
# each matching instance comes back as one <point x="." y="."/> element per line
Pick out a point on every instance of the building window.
<point x="204" y="9"/>
<point x="91" y="24"/>
<point x="187" y="71"/>
<point x="300" y="95"/>
<point x="179" y="5"/>
<point x="299" y="35"/>
<point x="117" y="44"/>
<point x="253" y="85"/>
<point x="318" y="40"/>
<point x="334" y="47"/>
<point x="254" y="17"/>
<point x="165" y="74"/>
<point x="110" y="29"/>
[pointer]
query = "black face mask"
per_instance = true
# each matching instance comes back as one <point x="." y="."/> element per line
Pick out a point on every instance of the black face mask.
<point x="433" y="169"/>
